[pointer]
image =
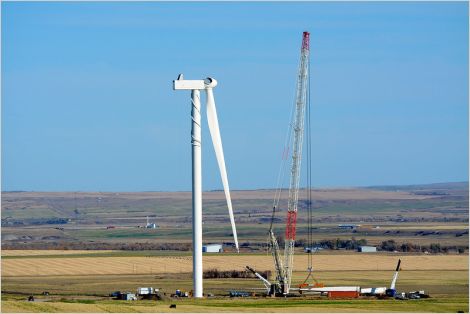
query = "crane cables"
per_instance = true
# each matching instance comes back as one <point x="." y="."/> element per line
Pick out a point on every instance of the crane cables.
<point x="283" y="166"/>
<point x="309" y="185"/>
<point x="309" y="179"/>
<point x="284" y="158"/>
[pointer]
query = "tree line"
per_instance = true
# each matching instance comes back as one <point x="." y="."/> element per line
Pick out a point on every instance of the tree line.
<point x="215" y="273"/>
<point x="331" y="244"/>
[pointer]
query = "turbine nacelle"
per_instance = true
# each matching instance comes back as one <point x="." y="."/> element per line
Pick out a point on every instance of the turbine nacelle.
<point x="181" y="84"/>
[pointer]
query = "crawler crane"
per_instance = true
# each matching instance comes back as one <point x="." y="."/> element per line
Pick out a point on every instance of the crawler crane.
<point x="284" y="264"/>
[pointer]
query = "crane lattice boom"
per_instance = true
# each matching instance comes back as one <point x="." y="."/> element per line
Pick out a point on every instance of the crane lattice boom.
<point x="298" y="128"/>
<point x="284" y="267"/>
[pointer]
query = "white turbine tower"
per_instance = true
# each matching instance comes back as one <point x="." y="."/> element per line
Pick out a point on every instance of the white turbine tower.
<point x="195" y="86"/>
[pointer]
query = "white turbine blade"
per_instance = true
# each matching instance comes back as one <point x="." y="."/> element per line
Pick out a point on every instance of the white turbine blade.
<point x="219" y="153"/>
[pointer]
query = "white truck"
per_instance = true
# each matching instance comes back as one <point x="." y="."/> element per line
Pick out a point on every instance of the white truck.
<point x="146" y="291"/>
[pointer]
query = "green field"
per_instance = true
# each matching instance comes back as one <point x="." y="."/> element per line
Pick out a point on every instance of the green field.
<point x="444" y="305"/>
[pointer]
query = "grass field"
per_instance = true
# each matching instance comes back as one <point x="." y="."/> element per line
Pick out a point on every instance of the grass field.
<point x="448" y="305"/>
<point x="80" y="281"/>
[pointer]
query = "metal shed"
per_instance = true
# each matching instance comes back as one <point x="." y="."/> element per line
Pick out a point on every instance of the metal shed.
<point x="212" y="248"/>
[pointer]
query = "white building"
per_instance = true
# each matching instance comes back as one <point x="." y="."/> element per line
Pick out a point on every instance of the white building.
<point x="367" y="249"/>
<point x="212" y="248"/>
<point x="150" y="225"/>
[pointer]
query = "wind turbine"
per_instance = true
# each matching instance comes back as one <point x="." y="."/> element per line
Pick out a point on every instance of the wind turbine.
<point x="196" y="86"/>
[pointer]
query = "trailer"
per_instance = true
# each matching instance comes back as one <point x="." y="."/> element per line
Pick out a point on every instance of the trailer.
<point x="146" y="291"/>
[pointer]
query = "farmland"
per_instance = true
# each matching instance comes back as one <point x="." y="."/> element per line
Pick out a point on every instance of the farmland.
<point x="80" y="281"/>
<point x="81" y="246"/>
<point x="90" y="265"/>
<point x="90" y="220"/>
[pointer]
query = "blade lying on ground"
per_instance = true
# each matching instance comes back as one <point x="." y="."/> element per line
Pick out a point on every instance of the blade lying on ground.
<point x="217" y="141"/>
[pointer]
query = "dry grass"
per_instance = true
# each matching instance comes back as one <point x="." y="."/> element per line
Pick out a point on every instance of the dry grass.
<point x="178" y="264"/>
<point x="75" y="282"/>
<point x="47" y="252"/>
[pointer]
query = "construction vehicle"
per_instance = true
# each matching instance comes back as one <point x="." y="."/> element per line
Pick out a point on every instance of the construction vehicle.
<point x="417" y="295"/>
<point x="240" y="294"/>
<point x="284" y="264"/>
<point x="181" y="294"/>
<point x="269" y="286"/>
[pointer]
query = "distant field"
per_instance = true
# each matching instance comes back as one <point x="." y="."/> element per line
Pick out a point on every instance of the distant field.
<point x="419" y="214"/>
<point x="446" y="235"/>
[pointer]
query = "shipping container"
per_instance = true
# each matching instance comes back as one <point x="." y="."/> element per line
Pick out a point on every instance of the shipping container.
<point x="343" y="294"/>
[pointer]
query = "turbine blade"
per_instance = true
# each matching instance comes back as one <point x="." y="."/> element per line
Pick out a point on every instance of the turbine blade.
<point x="219" y="153"/>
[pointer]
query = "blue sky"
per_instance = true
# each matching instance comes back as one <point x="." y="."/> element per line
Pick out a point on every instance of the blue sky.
<point x="87" y="100"/>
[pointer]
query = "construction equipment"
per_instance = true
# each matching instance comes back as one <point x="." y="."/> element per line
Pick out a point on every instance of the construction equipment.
<point x="240" y="294"/>
<point x="298" y="127"/>
<point x="315" y="285"/>
<point x="266" y="283"/>
<point x="417" y="295"/>
<point x="284" y="264"/>
<point x="146" y="291"/>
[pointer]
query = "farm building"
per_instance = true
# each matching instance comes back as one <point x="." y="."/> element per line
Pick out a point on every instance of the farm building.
<point x="151" y="226"/>
<point x="212" y="248"/>
<point x="367" y="249"/>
